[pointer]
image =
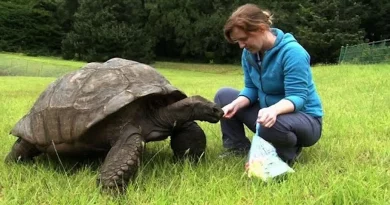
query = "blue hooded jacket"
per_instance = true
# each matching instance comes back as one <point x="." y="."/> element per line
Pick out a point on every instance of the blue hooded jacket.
<point x="283" y="73"/>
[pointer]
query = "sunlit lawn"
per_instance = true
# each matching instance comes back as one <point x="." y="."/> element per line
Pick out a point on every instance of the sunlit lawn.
<point x="349" y="165"/>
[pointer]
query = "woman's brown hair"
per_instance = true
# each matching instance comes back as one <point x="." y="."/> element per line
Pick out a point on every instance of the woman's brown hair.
<point x="248" y="17"/>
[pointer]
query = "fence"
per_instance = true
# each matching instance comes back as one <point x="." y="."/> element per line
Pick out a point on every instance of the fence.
<point x="25" y="66"/>
<point x="373" y="52"/>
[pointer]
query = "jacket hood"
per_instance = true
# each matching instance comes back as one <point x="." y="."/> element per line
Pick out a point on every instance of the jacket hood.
<point x="281" y="39"/>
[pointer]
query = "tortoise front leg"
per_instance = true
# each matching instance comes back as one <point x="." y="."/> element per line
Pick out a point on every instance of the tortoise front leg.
<point x="122" y="161"/>
<point x="188" y="140"/>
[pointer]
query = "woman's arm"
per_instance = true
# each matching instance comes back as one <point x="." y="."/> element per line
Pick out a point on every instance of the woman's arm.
<point x="296" y="76"/>
<point x="283" y="106"/>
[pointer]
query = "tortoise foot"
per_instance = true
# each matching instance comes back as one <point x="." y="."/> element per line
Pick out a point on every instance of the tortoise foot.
<point x="121" y="163"/>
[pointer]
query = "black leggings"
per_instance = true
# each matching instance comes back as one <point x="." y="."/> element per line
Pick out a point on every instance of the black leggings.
<point x="289" y="134"/>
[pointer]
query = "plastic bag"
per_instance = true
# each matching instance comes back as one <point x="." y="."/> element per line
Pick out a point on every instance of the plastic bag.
<point x="263" y="162"/>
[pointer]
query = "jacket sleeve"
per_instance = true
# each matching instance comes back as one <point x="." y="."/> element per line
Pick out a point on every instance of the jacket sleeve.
<point x="296" y="76"/>
<point x="250" y="90"/>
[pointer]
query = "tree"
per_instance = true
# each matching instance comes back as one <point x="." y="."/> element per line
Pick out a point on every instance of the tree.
<point x="31" y="28"/>
<point x="322" y="27"/>
<point x="104" y="29"/>
<point x="375" y="19"/>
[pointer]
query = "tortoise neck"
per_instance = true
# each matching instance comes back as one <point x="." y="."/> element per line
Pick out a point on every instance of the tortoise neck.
<point x="174" y="114"/>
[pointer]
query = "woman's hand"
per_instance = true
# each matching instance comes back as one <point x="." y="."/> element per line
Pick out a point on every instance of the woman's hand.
<point x="267" y="117"/>
<point x="229" y="110"/>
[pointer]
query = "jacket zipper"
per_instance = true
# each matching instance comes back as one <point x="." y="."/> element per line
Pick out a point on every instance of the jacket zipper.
<point x="261" y="79"/>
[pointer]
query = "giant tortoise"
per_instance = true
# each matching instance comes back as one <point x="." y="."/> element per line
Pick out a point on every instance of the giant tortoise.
<point x="112" y="108"/>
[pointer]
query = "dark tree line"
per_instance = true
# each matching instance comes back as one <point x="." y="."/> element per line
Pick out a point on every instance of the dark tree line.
<point x="179" y="30"/>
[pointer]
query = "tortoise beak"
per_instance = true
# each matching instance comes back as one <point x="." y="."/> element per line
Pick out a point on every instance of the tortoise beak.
<point x="217" y="113"/>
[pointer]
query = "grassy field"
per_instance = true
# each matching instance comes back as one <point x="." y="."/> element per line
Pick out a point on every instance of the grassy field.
<point x="349" y="165"/>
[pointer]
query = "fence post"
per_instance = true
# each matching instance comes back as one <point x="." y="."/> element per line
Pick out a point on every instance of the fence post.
<point x="341" y="54"/>
<point x="345" y="51"/>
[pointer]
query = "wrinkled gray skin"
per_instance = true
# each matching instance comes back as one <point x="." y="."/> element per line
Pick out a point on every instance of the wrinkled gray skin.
<point x="112" y="108"/>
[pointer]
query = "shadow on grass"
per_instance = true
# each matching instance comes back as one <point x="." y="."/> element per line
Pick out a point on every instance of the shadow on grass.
<point x="151" y="159"/>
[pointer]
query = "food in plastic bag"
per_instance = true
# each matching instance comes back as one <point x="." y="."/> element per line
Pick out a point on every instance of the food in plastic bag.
<point x="263" y="161"/>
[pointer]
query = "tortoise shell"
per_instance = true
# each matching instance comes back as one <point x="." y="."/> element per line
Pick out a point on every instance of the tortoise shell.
<point x="78" y="100"/>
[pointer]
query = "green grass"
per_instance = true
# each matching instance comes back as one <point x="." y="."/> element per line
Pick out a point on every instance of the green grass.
<point x="21" y="65"/>
<point x="349" y="165"/>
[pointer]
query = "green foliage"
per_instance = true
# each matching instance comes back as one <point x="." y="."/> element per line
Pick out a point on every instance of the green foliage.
<point x="105" y="29"/>
<point x="66" y="10"/>
<point x="184" y="30"/>
<point x="321" y="26"/>
<point x="375" y="21"/>
<point x="192" y="30"/>
<point x="33" y="30"/>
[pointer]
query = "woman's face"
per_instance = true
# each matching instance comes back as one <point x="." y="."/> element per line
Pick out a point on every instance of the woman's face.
<point x="253" y="41"/>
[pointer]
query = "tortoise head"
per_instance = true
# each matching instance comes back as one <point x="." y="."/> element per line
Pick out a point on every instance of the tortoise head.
<point x="201" y="109"/>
